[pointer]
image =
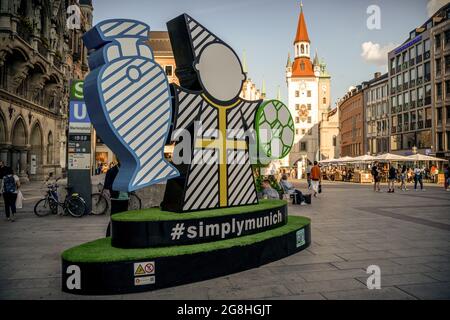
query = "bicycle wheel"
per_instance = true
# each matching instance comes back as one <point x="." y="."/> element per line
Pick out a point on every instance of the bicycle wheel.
<point x="135" y="202"/>
<point x="99" y="204"/>
<point x="43" y="208"/>
<point x="75" y="206"/>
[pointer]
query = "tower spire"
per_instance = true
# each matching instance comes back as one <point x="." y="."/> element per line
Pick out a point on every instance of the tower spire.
<point x="288" y="63"/>
<point x="302" y="31"/>
<point x="316" y="59"/>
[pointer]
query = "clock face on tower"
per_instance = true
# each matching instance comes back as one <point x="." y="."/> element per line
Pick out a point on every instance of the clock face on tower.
<point x="303" y="112"/>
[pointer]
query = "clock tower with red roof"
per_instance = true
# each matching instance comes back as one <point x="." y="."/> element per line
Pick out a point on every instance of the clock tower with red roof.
<point x="308" y="98"/>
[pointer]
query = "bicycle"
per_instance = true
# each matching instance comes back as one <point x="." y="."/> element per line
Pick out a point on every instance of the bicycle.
<point x="73" y="204"/>
<point x="100" y="201"/>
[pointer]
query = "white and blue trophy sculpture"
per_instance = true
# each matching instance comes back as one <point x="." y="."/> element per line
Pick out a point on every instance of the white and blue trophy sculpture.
<point x="129" y="101"/>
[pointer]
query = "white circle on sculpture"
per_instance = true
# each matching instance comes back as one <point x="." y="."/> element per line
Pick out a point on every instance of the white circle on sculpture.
<point x="133" y="73"/>
<point x="220" y="72"/>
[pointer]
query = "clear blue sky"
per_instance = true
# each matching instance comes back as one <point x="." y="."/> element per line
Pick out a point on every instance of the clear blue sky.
<point x="265" y="29"/>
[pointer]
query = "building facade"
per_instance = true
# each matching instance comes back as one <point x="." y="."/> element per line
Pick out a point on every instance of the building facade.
<point x="39" y="56"/>
<point x="417" y="78"/>
<point x="309" y="92"/>
<point x="440" y="58"/>
<point x="351" y="123"/>
<point x="376" y="106"/>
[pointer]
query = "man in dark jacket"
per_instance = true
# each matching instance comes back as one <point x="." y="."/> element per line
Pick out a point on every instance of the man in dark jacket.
<point x="109" y="180"/>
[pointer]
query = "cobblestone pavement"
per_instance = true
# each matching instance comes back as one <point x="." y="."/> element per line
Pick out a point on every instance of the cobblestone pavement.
<point x="407" y="234"/>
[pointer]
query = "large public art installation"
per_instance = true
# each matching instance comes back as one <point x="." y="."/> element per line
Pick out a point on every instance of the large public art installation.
<point x="210" y="222"/>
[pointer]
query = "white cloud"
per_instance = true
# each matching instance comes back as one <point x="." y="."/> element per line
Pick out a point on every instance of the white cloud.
<point x="374" y="53"/>
<point x="435" y="5"/>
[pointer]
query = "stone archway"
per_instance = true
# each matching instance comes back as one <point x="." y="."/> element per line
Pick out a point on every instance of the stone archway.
<point x="36" y="152"/>
<point x="19" y="134"/>
<point x="18" y="154"/>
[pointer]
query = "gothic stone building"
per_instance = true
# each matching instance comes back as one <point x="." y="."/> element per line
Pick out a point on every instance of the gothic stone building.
<point x="40" y="52"/>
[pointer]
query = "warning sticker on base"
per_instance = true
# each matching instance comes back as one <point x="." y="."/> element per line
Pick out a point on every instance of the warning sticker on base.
<point x="144" y="268"/>
<point x="142" y="281"/>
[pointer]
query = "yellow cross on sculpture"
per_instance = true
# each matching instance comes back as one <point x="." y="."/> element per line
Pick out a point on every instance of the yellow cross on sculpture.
<point x="222" y="144"/>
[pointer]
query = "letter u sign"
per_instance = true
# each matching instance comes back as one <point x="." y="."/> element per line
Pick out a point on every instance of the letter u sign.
<point x="78" y="112"/>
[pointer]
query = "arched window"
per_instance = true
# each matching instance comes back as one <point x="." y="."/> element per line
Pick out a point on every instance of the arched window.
<point x="302" y="49"/>
<point x="324" y="100"/>
<point x="334" y="141"/>
<point x="50" y="148"/>
<point x="302" y="66"/>
<point x="19" y="133"/>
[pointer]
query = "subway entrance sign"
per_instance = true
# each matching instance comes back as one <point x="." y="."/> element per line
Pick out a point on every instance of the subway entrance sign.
<point x="79" y="144"/>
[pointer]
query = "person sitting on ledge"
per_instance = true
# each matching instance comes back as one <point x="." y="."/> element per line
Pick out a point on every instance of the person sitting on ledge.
<point x="268" y="192"/>
<point x="289" y="189"/>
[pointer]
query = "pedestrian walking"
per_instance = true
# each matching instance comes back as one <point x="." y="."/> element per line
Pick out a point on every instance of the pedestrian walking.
<point x="308" y="175"/>
<point x="376" y="177"/>
<point x="403" y="178"/>
<point x="10" y="187"/>
<point x="3" y="169"/>
<point x="418" y="178"/>
<point x="392" y="176"/>
<point x="316" y="178"/>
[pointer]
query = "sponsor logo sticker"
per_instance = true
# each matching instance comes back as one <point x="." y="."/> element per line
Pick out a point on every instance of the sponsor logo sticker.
<point x="301" y="238"/>
<point x="142" y="281"/>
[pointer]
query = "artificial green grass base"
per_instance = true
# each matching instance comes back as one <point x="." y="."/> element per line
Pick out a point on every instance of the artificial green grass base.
<point x="156" y="214"/>
<point x="102" y="251"/>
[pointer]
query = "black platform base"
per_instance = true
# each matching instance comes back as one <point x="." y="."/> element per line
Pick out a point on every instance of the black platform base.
<point x="145" y="274"/>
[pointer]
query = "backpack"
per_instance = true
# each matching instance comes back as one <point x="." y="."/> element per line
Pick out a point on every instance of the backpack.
<point x="374" y="171"/>
<point x="9" y="184"/>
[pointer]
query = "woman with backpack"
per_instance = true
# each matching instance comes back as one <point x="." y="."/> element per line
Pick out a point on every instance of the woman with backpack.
<point x="10" y="186"/>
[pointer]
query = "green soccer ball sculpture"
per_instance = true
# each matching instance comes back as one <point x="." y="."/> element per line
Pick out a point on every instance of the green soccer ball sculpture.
<point x="275" y="129"/>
